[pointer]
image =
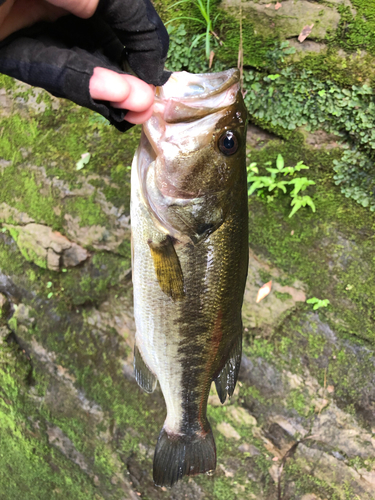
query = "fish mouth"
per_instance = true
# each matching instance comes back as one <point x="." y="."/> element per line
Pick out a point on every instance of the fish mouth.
<point x="182" y="85"/>
<point x="187" y="97"/>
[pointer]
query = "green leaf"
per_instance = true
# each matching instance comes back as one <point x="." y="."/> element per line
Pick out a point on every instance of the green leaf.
<point x="300" y="166"/>
<point x="300" y="184"/>
<point x="85" y="158"/>
<point x="281" y="185"/>
<point x="313" y="300"/>
<point x="297" y="205"/>
<point x="310" y="203"/>
<point x="279" y="162"/>
<point x="318" y="303"/>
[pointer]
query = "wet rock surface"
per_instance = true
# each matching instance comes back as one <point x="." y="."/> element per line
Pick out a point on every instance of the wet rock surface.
<point x="46" y="248"/>
<point x="290" y="16"/>
<point x="278" y="418"/>
<point x="75" y="425"/>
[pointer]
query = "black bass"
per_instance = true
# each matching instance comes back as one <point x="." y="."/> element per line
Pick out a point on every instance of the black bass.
<point x="189" y="216"/>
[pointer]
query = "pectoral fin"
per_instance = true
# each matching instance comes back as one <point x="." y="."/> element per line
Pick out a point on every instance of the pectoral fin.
<point x="145" y="378"/>
<point x="168" y="268"/>
<point x="226" y="380"/>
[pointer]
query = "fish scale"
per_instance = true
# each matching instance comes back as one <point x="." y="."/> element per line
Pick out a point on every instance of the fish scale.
<point x="190" y="251"/>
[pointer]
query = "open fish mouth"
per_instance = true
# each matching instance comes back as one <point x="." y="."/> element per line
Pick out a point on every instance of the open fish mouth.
<point x="186" y="97"/>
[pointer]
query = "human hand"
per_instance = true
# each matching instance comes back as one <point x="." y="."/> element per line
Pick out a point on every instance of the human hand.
<point x="69" y="46"/>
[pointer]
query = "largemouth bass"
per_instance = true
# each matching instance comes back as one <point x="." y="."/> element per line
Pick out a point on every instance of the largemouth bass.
<point x="189" y="216"/>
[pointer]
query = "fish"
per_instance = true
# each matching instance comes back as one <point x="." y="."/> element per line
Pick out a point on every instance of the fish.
<point x="189" y="219"/>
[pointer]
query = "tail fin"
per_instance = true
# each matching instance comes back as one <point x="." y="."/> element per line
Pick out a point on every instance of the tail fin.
<point x="181" y="455"/>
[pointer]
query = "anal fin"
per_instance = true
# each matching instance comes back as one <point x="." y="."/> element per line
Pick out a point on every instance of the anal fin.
<point x="226" y="381"/>
<point x="145" y="378"/>
<point x="168" y="268"/>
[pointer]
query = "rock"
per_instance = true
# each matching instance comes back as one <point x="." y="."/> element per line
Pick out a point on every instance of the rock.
<point x="22" y="315"/>
<point x="106" y="237"/>
<point x="334" y="472"/>
<point x="6" y="103"/>
<point x="249" y="448"/>
<point x="3" y="304"/>
<point x="46" y="248"/>
<point x="307" y="46"/>
<point x="4" y="332"/>
<point x="74" y="255"/>
<point x="291" y="17"/>
<point x="368" y="476"/>
<point x="13" y="216"/>
<point x="319" y="139"/>
<point x="339" y="430"/>
<point x="310" y="496"/>
<point x="28" y="99"/>
<point x="228" y="431"/>
<point x="258" y="138"/>
<point x="274" y="472"/>
<point x="96" y="236"/>
<point x="59" y="440"/>
<point x="271" y="308"/>
<point x="241" y="416"/>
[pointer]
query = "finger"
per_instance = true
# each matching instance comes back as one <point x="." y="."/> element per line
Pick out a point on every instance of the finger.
<point x="20" y="14"/>
<point x="136" y="118"/>
<point x="140" y="98"/>
<point x="80" y="8"/>
<point x="142" y="32"/>
<point x="107" y="85"/>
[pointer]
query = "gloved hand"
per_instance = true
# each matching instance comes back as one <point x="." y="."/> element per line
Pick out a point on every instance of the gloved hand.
<point x="74" y="57"/>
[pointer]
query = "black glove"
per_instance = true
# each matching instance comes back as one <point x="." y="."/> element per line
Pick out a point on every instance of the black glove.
<point x="61" y="56"/>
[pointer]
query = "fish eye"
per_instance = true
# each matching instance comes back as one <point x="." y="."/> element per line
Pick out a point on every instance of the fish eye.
<point x="228" y="143"/>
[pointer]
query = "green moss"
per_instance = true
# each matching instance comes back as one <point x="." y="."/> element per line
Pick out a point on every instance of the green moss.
<point x="20" y="189"/>
<point x="91" y="283"/>
<point x="11" y="261"/>
<point x="27" y="250"/>
<point x="251" y="392"/>
<point x="283" y="296"/>
<point x="316" y="345"/>
<point x="29" y="466"/>
<point x="297" y="401"/>
<point x="265" y="276"/>
<point x="357" y="32"/>
<point x="23" y="472"/>
<point x="7" y="82"/>
<point x="256" y="48"/>
<point x="307" y="483"/>
<point x="260" y="348"/>
<point x="354" y="69"/>
<point x="88" y="211"/>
